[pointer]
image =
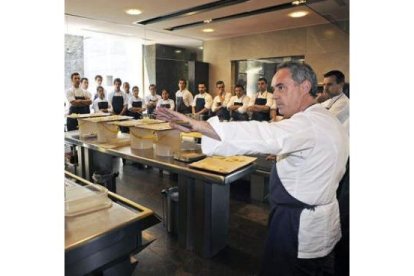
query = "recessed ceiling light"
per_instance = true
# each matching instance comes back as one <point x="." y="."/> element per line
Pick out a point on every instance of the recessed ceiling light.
<point x="133" y="11"/>
<point x="178" y="51"/>
<point x="298" y="14"/>
<point x="208" y="30"/>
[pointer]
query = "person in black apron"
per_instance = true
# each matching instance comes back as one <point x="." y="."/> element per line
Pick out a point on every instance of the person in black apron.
<point x="260" y="110"/>
<point x="152" y="99"/>
<point x="183" y="98"/>
<point x="119" y="102"/>
<point x="304" y="219"/>
<point x="219" y="107"/>
<point x="135" y="106"/>
<point x="165" y="101"/>
<point x="239" y="101"/>
<point x="101" y="104"/>
<point x="79" y="102"/>
<point x="202" y="102"/>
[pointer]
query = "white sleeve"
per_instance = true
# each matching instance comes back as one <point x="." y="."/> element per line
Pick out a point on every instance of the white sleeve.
<point x="341" y="110"/>
<point x="227" y="97"/>
<point x="130" y="103"/>
<point x="125" y="99"/>
<point x="214" y="105"/>
<point x="209" y="101"/>
<point x="242" y="109"/>
<point x="172" y="105"/>
<point x="194" y="101"/>
<point x="254" y="137"/>
<point x="70" y="95"/>
<point x="189" y="98"/>
<point x="269" y="99"/>
<point x="95" y="106"/>
<point x="110" y="96"/>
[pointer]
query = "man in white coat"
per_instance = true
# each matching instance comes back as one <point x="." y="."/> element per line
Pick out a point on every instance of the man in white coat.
<point x="312" y="149"/>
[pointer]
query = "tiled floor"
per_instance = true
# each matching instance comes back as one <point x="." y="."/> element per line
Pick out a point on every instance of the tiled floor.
<point x="247" y="229"/>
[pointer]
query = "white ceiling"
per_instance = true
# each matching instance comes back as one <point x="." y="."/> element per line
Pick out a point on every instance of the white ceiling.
<point x="108" y="16"/>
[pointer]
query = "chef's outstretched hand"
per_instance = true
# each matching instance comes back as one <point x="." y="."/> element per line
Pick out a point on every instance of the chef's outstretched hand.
<point x="186" y="124"/>
<point x="176" y="119"/>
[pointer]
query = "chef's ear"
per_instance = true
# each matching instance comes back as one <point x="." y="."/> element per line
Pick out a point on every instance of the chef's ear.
<point x="306" y="86"/>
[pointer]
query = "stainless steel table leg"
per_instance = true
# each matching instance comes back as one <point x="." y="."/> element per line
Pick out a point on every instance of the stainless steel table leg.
<point x="258" y="187"/>
<point x="211" y="218"/>
<point x="203" y="216"/>
<point x="185" y="210"/>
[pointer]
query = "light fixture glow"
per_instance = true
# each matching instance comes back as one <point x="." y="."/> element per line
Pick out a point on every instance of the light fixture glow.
<point x="208" y="30"/>
<point x="178" y="51"/>
<point x="201" y="47"/>
<point x="298" y="2"/>
<point x="133" y="11"/>
<point x="298" y="14"/>
<point x="208" y="21"/>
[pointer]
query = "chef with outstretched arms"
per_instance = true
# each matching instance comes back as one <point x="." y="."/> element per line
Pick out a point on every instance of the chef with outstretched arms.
<point x="312" y="150"/>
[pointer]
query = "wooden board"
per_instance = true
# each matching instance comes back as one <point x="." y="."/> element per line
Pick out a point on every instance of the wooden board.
<point x="132" y="123"/>
<point x="89" y="115"/>
<point x="191" y="134"/>
<point x="223" y="164"/>
<point x="119" y="142"/>
<point x="161" y="126"/>
<point x="108" y="118"/>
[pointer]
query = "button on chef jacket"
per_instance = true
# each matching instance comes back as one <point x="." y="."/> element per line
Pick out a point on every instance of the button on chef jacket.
<point x="312" y="149"/>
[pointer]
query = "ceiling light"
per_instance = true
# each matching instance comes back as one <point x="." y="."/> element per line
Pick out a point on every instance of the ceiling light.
<point x="133" y="11"/>
<point x="298" y="2"/>
<point x="208" y="30"/>
<point x="298" y="14"/>
<point x="178" y="51"/>
<point x="201" y="47"/>
<point x="207" y="21"/>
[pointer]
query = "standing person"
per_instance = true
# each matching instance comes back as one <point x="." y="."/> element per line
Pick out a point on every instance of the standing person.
<point x="183" y="98"/>
<point x="261" y="102"/>
<point x="136" y="105"/>
<point x="101" y="104"/>
<point x="98" y="82"/>
<point x="238" y="104"/>
<point x="118" y="99"/>
<point x="202" y="102"/>
<point x="126" y="87"/>
<point x="152" y="99"/>
<point x="85" y="85"/>
<point x="220" y="102"/>
<point x="165" y="100"/>
<point x="338" y="102"/>
<point x="312" y="149"/>
<point x="79" y="101"/>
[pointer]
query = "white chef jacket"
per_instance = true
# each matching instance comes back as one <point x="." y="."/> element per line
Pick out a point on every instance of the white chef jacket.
<point x="133" y="99"/>
<point x="339" y="106"/>
<point x="119" y="93"/>
<point x="168" y="101"/>
<point x="96" y="106"/>
<point x="129" y="95"/>
<point x="265" y="95"/>
<point x="187" y="96"/>
<point x="207" y="98"/>
<point x="73" y="92"/>
<point x="312" y="149"/>
<point x="244" y="99"/>
<point x="217" y="99"/>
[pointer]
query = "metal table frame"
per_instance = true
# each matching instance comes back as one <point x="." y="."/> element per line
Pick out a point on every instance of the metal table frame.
<point x="204" y="197"/>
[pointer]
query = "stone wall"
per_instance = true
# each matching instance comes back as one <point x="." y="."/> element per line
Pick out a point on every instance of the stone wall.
<point x="74" y="57"/>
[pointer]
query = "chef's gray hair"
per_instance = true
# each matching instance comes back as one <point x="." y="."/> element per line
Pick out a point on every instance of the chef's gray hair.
<point x="301" y="72"/>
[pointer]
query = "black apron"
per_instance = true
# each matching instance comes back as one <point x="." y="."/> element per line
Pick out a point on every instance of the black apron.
<point x="200" y="102"/>
<point x="222" y="113"/>
<point x="136" y="115"/>
<point x="117" y="104"/>
<point x="281" y="249"/>
<point x="103" y="105"/>
<point x="237" y="116"/>
<point x="261" y="116"/>
<point x="165" y="105"/>
<point x="150" y="110"/>
<point x="181" y="107"/>
<point x="72" y="124"/>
